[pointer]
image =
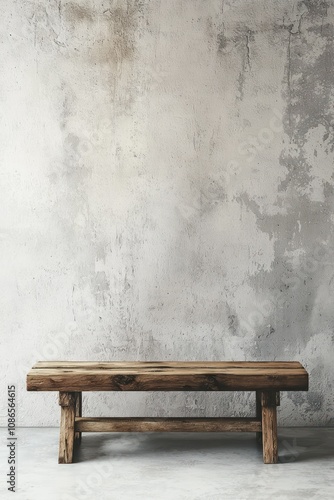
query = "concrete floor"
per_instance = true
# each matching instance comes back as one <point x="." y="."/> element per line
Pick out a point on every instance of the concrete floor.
<point x="173" y="466"/>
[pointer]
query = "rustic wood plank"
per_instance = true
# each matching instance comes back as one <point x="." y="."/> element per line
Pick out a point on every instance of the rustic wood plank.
<point x="219" y="382"/>
<point x="67" y="402"/>
<point x="78" y="413"/>
<point x="139" y="424"/>
<point x="180" y="377"/>
<point x="269" y="427"/>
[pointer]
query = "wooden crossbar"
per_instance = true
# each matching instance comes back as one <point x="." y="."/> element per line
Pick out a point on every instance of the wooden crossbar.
<point x="139" y="424"/>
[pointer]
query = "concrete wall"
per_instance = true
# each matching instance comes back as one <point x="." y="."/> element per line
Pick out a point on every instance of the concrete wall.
<point x="167" y="193"/>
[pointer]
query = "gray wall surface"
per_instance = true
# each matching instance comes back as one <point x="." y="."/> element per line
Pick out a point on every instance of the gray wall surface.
<point x="167" y="193"/>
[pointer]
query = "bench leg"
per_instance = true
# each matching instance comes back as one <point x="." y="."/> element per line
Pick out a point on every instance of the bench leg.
<point x="78" y="413"/>
<point x="269" y="426"/>
<point x="258" y="414"/>
<point x="67" y="401"/>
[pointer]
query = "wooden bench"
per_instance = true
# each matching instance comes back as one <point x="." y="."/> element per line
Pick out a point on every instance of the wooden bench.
<point x="266" y="379"/>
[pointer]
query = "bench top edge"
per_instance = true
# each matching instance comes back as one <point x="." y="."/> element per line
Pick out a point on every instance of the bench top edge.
<point x="167" y="364"/>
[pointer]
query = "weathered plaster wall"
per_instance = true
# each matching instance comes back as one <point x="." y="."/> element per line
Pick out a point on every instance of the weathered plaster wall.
<point x="167" y="193"/>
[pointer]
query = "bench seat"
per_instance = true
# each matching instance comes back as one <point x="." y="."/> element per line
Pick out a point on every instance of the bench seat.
<point x="71" y="378"/>
<point x="167" y="376"/>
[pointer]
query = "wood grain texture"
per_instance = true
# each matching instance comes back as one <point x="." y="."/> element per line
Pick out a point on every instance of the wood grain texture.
<point x="269" y="427"/>
<point x="138" y="424"/>
<point x="166" y="376"/>
<point x="67" y="402"/>
<point x="258" y="412"/>
<point x="78" y="413"/>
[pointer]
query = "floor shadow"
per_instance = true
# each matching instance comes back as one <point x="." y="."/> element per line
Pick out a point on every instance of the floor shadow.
<point x="143" y="444"/>
<point x="307" y="444"/>
<point x="295" y="445"/>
